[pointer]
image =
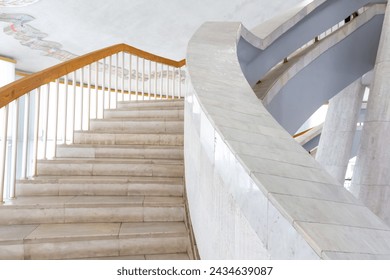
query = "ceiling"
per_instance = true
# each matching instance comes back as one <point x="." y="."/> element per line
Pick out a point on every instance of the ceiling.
<point x="74" y="27"/>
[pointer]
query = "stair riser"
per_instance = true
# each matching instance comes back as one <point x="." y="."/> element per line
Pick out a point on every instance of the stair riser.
<point x="104" y="248"/>
<point x="128" y="139"/>
<point x="109" y="169"/>
<point x="136" y="153"/>
<point x="138" y="127"/>
<point x="90" y="215"/>
<point x="54" y="189"/>
<point x="174" y="114"/>
<point x="175" y="104"/>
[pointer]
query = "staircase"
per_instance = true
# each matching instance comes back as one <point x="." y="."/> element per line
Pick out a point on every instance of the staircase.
<point x="116" y="193"/>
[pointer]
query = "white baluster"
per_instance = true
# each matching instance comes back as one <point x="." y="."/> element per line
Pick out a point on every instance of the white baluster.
<point x="155" y="80"/>
<point x="109" y="81"/>
<point x="136" y="78"/>
<point x="3" y="154"/>
<point x="104" y="87"/>
<point x="130" y="73"/>
<point x="74" y="77"/>
<point x="14" y="147"/>
<point x="25" y="135"/>
<point x="36" y="129"/>
<point x="46" y="126"/>
<point x="116" y="78"/>
<point x="150" y="79"/>
<point x="64" y="133"/>
<point x="57" y="91"/>
<point x="89" y="96"/>
<point x="161" y="81"/>
<point x="97" y="89"/>
<point x="123" y="77"/>
<point x="143" y="78"/>
<point x="82" y="98"/>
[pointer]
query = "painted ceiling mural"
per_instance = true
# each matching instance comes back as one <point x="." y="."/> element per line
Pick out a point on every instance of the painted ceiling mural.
<point x="33" y="38"/>
<point x="16" y="3"/>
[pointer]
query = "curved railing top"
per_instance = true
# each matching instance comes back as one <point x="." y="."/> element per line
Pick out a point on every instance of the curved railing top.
<point x="18" y="88"/>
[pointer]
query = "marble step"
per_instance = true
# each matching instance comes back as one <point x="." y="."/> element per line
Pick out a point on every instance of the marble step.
<point x="152" y="104"/>
<point x="109" y="137"/>
<point x="100" y="185"/>
<point x="137" y="126"/>
<point x="92" y="240"/>
<point x="91" y="209"/>
<point x="111" y="167"/>
<point x="120" y="151"/>
<point x="146" y="113"/>
<point x="179" y="256"/>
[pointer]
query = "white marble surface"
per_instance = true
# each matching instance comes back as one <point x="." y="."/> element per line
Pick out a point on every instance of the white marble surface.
<point x="246" y="200"/>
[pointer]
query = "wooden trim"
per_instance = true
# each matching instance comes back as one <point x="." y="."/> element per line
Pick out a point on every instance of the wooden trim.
<point x="7" y="59"/>
<point x="20" y="87"/>
<point x="302" y="132"/>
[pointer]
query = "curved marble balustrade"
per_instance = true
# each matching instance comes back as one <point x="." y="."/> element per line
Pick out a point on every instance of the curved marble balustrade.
<point x="253" y="191"/>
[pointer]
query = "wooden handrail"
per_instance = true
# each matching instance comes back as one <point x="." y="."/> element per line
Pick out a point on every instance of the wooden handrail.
<point x="18" y="88"/>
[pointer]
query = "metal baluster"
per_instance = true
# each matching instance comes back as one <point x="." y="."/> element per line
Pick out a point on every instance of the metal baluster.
<point x="97" y="89"/>
<point x="123" y="76"/>
<point x="150" y="80"/>
<point x="66" y="83"/>
<point x="130" y="73"/>
<point x="104" y="87"/>
<point x="180" y="83"/>
<point x="14" y="147"/>
<point x="46" y="126"/>
<point x="161" y="81"/>
<point x="136" y="78"/>
<point x="116" y="78"/>
<point x="174" y="82"/>
<point x="167" y="95"/>
<point x="143" y="78"/>
<point x="109" y="81"/>
<point x="155" y="80"/>
<point x="36" y="129"/>
<point x="82" y="97"/>
<point x="25" y="135"/>
<point x="56" y="117"/>
<point x="3" y="158"/>
<point x="89" y="96"/>
<point x="74" y="105"/>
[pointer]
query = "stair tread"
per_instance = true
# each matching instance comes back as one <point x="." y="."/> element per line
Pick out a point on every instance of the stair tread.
<point x="86" y="231"/>
<point x="139" y="119"/>
<point x="102" y="146"/>
<point x="112" y="161"/>
<point x="91" y="201"/>
<point x="101" y="179"/>
<point x="178" y="256"/>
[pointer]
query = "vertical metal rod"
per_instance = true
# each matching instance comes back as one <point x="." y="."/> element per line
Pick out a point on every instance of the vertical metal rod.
<point x="25" y="135"/>
<point x="97" y="90"/>
<point x="167" y="82"/>
<point x="66" y="82"/>
<point x="116" y="78"/>
<point x="82" y="98"/>
<point x="150" y="80"/>
<point x="136" y="78"/>
<point x="161" y="81"/>
<point x="123" y="76"/>
<point x="14" y="147"/>
<point x="36" y="129"/>
<point x="57" y="91"/>
<point x="155" y="80"/>
<point x="104" y="87"/>
<point x="109" y="81"/>
<point x="3" y="158"/>
<point x="46" y="126"/>
<point x="130" y="74"/>
<point x="143" y="78"/>
<point x="89" y="96"/>
<point x="179" y="82"/>
<point x="74" y="77"/>
<point x="174" y="82"/>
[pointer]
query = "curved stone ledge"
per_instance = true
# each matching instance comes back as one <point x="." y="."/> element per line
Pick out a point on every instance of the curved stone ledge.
<point x="253" y="192"/>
